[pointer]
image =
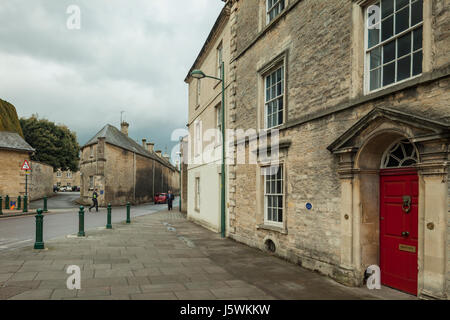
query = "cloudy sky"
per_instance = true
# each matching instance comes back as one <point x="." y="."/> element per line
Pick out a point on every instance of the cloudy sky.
<point x="129" y="55"/>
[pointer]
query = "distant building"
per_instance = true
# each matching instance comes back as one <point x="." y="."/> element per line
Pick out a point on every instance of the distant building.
<point x="122" y="170"/>
<point x="66" y="178"/>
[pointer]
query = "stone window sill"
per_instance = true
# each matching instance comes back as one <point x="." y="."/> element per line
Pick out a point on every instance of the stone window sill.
<point x="281" y="230"/>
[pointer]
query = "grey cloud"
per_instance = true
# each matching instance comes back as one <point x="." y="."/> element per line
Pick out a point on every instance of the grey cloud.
<point x="128" y="55"/>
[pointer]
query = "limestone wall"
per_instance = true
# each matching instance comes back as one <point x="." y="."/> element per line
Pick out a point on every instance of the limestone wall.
<point x="12" y="179"/>
<point x="40" y="180"/>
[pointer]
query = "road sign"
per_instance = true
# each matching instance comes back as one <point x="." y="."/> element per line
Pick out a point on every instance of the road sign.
<point x="26" y="165"/>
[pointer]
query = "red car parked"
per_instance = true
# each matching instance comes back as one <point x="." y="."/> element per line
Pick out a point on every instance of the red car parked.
<point x="160" y="198"/>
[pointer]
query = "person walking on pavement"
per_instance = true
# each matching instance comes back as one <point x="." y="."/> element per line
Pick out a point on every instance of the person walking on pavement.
<point x="170" y="198"/>
<point x="94" y="200"/>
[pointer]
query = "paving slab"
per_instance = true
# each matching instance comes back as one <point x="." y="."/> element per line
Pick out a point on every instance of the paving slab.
<point x="146" y="261"/>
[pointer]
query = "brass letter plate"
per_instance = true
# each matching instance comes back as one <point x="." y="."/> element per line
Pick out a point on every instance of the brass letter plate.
<point x="404" y="247"/>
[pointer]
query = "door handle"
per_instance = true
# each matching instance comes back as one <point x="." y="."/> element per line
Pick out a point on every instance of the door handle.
<point x="405" y="234"/>
<point x="406" y="206"/>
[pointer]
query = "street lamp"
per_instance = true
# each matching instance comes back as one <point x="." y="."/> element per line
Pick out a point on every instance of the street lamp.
<point x="198" y="74"/>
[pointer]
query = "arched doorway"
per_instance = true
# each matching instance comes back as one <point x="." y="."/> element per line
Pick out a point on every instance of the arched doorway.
<point x="399" y="196"/>
<point x="369" y="152"/>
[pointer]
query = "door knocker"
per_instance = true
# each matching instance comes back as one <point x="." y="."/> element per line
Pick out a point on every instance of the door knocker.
<point x="406" y="206"/>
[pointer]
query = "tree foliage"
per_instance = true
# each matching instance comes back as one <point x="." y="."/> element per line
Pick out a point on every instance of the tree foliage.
<point x="55" y="144"/>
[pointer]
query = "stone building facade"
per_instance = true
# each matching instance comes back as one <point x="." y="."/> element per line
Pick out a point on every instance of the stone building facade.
<point x="358" y="92"/>
<point x="205" y="122"/>
<point x="14" y="150"/>
<point x="66" y="178"/>
<point x="123" y="170"/>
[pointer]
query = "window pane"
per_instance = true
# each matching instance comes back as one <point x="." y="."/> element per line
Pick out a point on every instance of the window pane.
<point x="374" y="36"/>
<point x="273" y="186"/>
<point x="375" y="58"/>
<point x="387" y="27"/>
<point x="388" y="74"/>
<point x="267" y="186"/>
<point x="404" y="68"/>
<point x="389" y="52"/>
<point x="375" y="79"/>
<point x="404" y="45"/>
<point x="280" y="215"/>
<point x="417" y="39"/>
<point x="269" y="213"/>
<point x="279" y="89"/>
<point x="387" y="8"/>
<point x="417" y="63"/>
<point x="280" y="201"/>
<point x="280" y="104"/>
<point x="416" y="12"/>
<point x="402" y="20"/>
<point x="401" y="3"/>
<point x="279" y="173"/>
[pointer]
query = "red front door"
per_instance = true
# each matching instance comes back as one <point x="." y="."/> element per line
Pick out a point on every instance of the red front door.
<point x="399" y="190"/>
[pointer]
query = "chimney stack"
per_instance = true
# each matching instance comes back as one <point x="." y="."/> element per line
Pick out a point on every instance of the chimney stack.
<point x="150" y="146"/>
<point x="158" y="152"/>
<point x="124" y="127"/>
<point x="144" y="143"/>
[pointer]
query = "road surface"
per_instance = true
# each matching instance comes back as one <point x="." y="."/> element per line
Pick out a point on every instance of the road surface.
<point x="61" y="200"/>
<point x="16" y="232"/>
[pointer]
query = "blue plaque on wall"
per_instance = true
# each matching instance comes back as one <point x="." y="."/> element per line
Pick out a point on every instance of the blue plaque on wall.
<point x="101" y="191"/>
<point x="309" y="206"/>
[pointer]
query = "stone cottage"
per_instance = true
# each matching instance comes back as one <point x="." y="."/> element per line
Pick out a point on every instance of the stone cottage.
<point x="123" y="170"/>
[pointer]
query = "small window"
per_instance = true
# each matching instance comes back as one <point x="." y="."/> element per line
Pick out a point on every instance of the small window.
<point x="219" y="60"/>
<point x="274" y="8"/>
<point x="274" y="98"/>
<point x="91" y="182"/>
<point x="393" y="42"/>
<point x="58" y="174"/>
<point x="198" y="138"/>
<point x="197" y="194"/>
<point x="197" y="96"/>
<point x="273" y="195"/>
<point x="91" y="150"/>
<point x="69" y="175"/>
<point x="219" y="117"/>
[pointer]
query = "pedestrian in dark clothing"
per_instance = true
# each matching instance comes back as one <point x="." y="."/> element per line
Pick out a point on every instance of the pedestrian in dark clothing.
<point x="170" y="198"/>
<point x="94" y="201"/>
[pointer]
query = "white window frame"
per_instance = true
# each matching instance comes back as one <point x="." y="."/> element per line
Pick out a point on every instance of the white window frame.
<point x="69" y="175"/>
<point x="198" y="144"/>
<point x="394" y="37"/>
<point x="197" y="193"/>
<point x="268" y="194"/>
<point x="58" y="174"/>
<point x="219" y="60"/>
<point x="274" y="7"/>
<point x="283" y="95"/>
<point x="197" y="94"/>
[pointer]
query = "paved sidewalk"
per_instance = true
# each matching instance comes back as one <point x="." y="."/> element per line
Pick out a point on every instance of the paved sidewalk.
<point x="163" y="256"/>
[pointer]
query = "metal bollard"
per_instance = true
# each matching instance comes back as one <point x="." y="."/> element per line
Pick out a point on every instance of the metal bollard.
<point x="7" y="202"/>
<point x="19" y="200"/>
<point x="39" y="244"/>
<point x="128" y="213"/>
<point x="81" y="222"/>
<point x="45" y="204"/>
<point x="1" y="200"/>
<point x="25" y="203"/>
<point x="108" y="223"/>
